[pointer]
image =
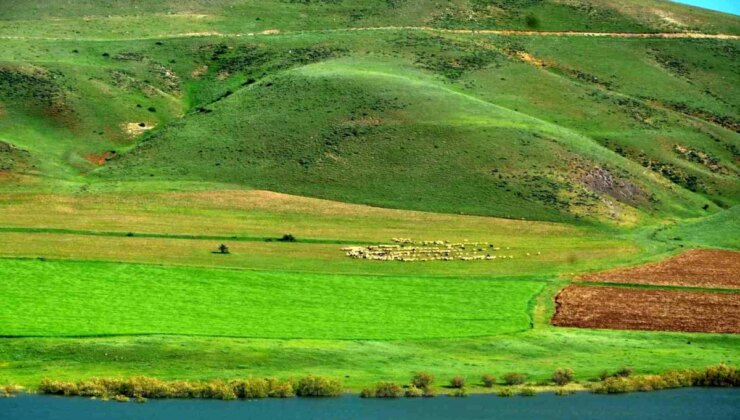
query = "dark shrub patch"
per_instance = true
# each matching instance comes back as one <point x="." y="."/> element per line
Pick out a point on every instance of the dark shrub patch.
<point x="514" y="378"/>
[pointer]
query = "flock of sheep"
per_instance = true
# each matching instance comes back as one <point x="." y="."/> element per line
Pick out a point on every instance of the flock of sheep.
<point x="407" y="250"/>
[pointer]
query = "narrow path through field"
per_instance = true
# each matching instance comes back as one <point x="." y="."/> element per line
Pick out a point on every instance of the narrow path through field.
<point x="275" y="32"/>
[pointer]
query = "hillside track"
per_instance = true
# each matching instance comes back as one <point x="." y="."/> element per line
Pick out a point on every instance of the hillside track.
<point x="503" y="32"/>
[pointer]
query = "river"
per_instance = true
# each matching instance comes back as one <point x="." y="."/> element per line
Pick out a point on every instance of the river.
<point x="691" y="403"/>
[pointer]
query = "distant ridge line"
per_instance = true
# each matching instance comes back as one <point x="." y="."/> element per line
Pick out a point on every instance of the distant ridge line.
<point x="506" y="32"/>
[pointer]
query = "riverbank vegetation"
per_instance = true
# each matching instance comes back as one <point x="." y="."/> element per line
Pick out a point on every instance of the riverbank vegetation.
<point x="145" y="387"/>
<point x="142" y="388"/>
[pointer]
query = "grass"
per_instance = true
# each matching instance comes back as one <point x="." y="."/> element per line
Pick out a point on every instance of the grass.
<point x="88" y="299"/>
<point x="616" y="151"/>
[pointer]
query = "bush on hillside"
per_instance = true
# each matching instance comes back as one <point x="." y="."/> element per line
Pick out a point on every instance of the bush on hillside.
<point x="422" y="380"/>
<point x="624" y="372"/>
<point x="562" y="376"/>
<point x="457" y="382"/>
<point x="514" y="378"/>
<point x="488" y="380"/>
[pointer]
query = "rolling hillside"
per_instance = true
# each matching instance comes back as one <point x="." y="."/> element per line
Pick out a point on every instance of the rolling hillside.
<point x="535" y="125"/>
<point x="402" y="185"/>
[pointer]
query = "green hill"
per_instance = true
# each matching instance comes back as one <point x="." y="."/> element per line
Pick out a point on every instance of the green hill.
<point x="412" y="115"/>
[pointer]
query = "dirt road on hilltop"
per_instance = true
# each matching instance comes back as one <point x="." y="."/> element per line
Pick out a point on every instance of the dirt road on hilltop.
<point x="505" y="32"/>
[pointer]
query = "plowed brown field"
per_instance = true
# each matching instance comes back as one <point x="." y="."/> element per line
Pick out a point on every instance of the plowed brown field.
<point x="647" y="309"/>
<point x="696" y="268"/>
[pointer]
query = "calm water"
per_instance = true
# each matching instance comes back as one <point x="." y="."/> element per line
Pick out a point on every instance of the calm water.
<point x="671" y="404"/>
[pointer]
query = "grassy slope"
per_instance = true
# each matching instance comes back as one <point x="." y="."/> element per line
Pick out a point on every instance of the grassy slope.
<point x="94" y="227"/>
<point x="120" y="18"/>
<point x="587" y="103"/>
<point x="375" y="119"/>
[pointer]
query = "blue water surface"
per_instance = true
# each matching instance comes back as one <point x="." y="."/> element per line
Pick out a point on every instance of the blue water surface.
<point x="694" y="403"/>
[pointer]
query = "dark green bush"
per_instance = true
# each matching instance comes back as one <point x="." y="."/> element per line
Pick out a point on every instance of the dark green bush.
<point x="457" y="382"/>
<point x="488" y="380"/>
<point x="624" y="372"/>
<point x="514" y="378"/>
<point x="562" y="376"/>
<point x="287" y="238"/>
<point x="422" y="380"/>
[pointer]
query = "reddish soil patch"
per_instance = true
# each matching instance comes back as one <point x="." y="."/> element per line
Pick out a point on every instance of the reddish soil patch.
<point x="696" y="268"/>
<point x="99" y="158"/>
<point x="647" y="309"/>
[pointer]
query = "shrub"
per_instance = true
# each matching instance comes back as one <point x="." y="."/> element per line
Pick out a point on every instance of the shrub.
<point x="422" y="380"/>
<point x="457" y="382"/>
<point x="142" y="386"/>
<point x="488" y="380"/>
<point x="720" y="376"/>
<point x="316" y="386"/>
<point x="413" y="392"/>
<point x="278" y="389"/>
<point x="648" y="383"/>
<point x="514" y="378"/>
<point x="367" y="393"/>
<point x="388" y="390"/>
<point x="624" y="372"/>
<point x="505" y="392"/>
<point x="528" y="391"/>
<point x="458" y="393"/>
<point x="9" y="390"/>
<point x="218" y="390"/>
<point x="429" y="392"/>
<point x="615" y="385"/>
<point x="57" y="388"/>
<point x="251" y="388"/>
<point x="562" y="376"/>
<point x="184" y="389"/>
<point x="287" y="238"/>
<point x="531" y="21"/>
<point x="603" y="375"/>
<point x="121" y="398"/>
<point x="679" y="379"/>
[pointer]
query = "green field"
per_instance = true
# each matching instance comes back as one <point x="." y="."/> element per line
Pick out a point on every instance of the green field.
<point x="137" y="136"/>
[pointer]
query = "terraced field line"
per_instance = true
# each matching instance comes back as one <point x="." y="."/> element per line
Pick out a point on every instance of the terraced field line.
<point x="506" y="32"/>
<point x="235" y="238"/>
